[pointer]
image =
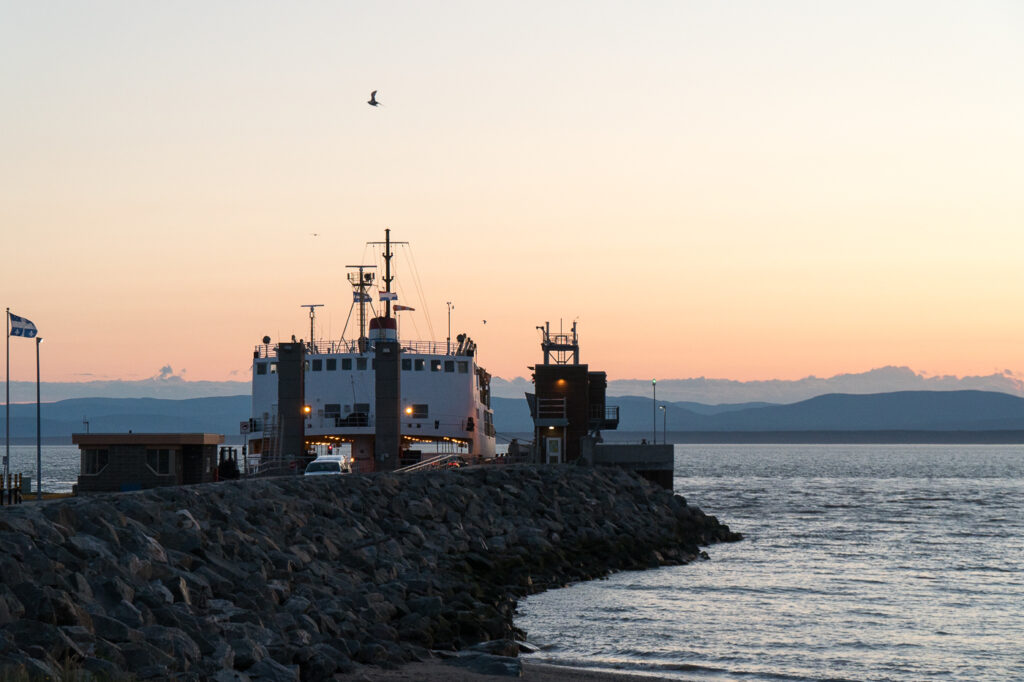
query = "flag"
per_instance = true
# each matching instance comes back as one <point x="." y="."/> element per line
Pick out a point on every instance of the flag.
<point x="398" y="307"/>
<point x="388" y="296"/>
<point x="22" y="327"/>
<point x="360" y="297"/>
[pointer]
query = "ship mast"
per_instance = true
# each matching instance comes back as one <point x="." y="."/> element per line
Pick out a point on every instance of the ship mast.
<point x="388" y="255"/>
<point x="387" y="270"/>
<point x="312" y="316"/>
<point x="360" y="280"/>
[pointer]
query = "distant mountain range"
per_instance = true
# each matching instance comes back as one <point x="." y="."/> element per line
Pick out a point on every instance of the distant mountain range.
<point x="113" y="415"/>
<point x="934" y="411"/>
<point x="166" y="387"/>
<point x="778" y="391"/>
<point x="701" y="390"/>
<point x="904" y="410"/>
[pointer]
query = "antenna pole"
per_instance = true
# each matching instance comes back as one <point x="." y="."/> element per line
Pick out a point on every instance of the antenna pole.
<point x="362" y="309"/>
<point x="387" y="270"/>
<point x="312" y="316"/>
<point x="450" y="306"/>
<point x="360" y="279"/>
<point x="387" y="266"/>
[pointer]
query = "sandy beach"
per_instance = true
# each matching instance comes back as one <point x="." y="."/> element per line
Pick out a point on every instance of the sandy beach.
<point x="438" y="670"/>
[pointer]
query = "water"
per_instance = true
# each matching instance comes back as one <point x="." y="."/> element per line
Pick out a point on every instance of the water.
<point x="860" y="563"/>
<point x="61" y="465"/>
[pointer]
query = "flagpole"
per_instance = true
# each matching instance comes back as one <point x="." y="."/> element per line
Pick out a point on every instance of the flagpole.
<point x="39" y="431"/>
<point x="7" y="401"/>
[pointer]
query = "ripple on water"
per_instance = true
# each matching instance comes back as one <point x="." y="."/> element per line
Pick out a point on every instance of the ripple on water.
<point x="859" y="563"/>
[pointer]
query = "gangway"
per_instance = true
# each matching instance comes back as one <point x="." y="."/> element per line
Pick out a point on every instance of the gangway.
<point x="431" y="463"/>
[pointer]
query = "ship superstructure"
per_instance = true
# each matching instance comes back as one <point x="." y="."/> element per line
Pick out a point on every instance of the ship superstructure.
<point x="443" y="401"/>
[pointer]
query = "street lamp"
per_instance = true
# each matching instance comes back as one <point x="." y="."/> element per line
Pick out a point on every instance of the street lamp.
<point x="664" y="420"/>
<point x="654" y="414"/>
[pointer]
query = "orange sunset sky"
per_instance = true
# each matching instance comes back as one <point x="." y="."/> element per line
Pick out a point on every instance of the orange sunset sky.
<point x="742" y="190"/>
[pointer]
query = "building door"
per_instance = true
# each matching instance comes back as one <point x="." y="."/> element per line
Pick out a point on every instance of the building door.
<point x="554" y="450"/>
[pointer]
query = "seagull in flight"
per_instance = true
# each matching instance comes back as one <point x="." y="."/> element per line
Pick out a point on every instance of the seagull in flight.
<point x="373" y="99"/>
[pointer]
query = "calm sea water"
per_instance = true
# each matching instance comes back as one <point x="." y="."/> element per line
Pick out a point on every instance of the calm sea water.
<point x="860" y="563"/>
<point x="61" y="464"/>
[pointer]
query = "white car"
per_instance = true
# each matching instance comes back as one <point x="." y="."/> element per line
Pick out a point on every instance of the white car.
<point x="323" y="466"/>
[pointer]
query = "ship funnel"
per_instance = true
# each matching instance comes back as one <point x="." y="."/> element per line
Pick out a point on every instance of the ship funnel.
<point x="383" y="329"/>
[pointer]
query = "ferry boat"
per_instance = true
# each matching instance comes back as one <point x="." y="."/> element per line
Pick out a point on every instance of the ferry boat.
<point x="445" y="395"/>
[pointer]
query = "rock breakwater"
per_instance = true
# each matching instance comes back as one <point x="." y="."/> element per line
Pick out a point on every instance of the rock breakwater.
<point x="305" y="577"/>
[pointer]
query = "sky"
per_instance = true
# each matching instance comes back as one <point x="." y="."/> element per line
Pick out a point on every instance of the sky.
<point x="739" y="190"/>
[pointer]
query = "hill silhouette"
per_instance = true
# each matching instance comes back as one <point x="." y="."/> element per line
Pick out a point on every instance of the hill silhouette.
<point x="901" y="410"/>
<point x="934" y="411"/>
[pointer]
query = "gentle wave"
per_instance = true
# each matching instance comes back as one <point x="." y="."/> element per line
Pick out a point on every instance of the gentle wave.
<point x="860" y="563"/>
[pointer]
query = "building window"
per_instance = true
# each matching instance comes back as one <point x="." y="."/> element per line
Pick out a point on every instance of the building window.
<point x="463" y="367"/>
<point x="261" y="368"/>
<point x="332" y="364"/>
<point x="449" y="365"/>
<point x="435" y="365"/>
<point x="406" y="364"/>
<point x="93" y="461"/>
<point x="318" y="365"/>
<point x="360" y="363"/>
<point x="159" y="461"/>
<point x="346" y="364"/>
<point x="332" y="410"/>
<point x="420" y="363"/>
<point x="419" y="411"/>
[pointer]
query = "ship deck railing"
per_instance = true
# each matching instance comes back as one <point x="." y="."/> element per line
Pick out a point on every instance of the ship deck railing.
<point x="440" y="461"/>
<point x="269" y="350"/>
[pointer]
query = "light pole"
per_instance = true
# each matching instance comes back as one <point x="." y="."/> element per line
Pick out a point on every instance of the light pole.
<point x="664" y="421"/>
<point x="39" y="431"/>
<point x="654" y="413"/>
<point x="450" y="306"/>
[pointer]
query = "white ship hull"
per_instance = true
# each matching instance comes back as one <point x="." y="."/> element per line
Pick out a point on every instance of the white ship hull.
<point x="445" y="400"/>
<point x="444" y="394"/>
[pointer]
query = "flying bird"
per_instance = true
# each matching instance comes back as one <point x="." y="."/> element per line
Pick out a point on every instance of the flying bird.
<point x="373" y="99"/>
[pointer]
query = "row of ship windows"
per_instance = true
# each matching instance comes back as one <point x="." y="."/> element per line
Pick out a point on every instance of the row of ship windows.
<point x="334" y="411"/>
<point x="408" y="365"/>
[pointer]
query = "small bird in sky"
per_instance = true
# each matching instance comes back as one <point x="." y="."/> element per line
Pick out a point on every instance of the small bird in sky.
<point x="373" y="99"/>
